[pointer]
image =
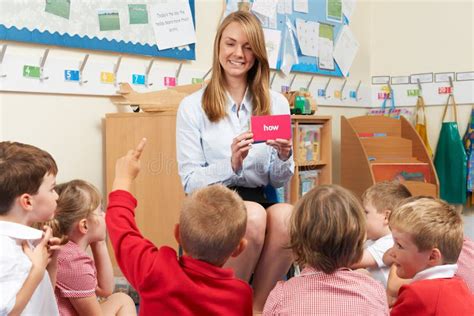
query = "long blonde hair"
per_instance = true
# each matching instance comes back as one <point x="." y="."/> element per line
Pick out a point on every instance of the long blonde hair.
<point x="214" y="97"/>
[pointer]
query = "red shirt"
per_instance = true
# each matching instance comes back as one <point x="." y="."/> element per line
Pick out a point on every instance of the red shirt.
<point x="166" y="285"/>
<point x="77" y="277"/>
<point x="466" y="263"/>
<point x="313" y="292"/>
<point x="434" y="297"/>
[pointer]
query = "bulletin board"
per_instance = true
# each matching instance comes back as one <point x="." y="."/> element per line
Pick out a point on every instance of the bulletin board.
<point x="79" y="24"/>
<point x="317" y="11"/>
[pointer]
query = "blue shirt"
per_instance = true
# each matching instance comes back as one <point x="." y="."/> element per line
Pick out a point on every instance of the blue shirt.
<point x="203" y="147"/>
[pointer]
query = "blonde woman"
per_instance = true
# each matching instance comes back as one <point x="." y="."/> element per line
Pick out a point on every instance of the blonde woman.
<point x="214" y="145"/>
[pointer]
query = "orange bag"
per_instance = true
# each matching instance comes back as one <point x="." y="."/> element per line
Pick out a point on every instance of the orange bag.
<point x="420" y="124"/>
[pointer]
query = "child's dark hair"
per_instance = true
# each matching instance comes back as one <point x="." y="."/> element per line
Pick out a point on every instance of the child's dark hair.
<point x="22" y="170"/>
<point x="327" y="229"/>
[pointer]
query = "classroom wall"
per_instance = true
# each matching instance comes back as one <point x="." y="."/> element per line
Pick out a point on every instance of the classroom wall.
<point x="71" y="127"/>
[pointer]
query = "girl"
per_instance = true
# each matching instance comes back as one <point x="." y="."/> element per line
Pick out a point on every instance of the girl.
<point x="79" y="220"/>
<point x="327" y="234"/>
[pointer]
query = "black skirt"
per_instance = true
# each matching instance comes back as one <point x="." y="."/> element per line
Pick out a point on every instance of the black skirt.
<point x="256" y="195"/>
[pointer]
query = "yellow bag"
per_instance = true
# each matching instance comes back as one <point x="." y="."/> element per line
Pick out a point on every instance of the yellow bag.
<point x="420" y="126"/>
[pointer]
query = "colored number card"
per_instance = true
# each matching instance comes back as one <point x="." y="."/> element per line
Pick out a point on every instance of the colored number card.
<point x="170" y="82"/>
<point x="107" y="77"/>
<point x="31" y="71"/>
<point x="268" y="127"/>
<point x="138" y="79"/>
<point x="71" y="75"/>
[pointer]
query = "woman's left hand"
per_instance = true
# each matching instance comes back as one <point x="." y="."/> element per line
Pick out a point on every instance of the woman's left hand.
<point x="282" y="146"/>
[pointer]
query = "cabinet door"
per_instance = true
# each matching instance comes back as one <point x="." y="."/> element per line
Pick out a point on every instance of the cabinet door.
<point x="157" y="188"/>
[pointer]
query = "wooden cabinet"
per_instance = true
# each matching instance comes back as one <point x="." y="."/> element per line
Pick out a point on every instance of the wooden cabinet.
<point x="321" y="162"/>
<point x="158" y="187"/>
<point x="378" y="148"/>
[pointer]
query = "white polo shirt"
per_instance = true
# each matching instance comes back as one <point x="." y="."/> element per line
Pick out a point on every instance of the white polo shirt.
<point x="15" y="267"/>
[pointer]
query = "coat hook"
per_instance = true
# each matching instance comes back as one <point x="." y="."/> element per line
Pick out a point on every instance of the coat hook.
<point x="81" y="70"/>
<point x="178" y="71"/>
<point x="357" y="91"/>
<point x="42" y="63"/>
<point x="342" y="90"/>
<point x="326" y="95"/>
<point x="309" y="83"/>
<point x="147" y="73"/>
<point x="273" y="78"/>
<point x="116" y="68"/>
<point x="291" y="82"/>
<point x="2" y="55"/>
<point x="206" y="74"/>
<point x="420" y="89"/>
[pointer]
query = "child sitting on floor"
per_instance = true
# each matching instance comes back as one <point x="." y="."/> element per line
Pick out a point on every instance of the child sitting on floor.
<point x="428" y="236"/>
<point x="327" y="234"/>
<point x="211" y="229"/>
<point x="79" y="220"/>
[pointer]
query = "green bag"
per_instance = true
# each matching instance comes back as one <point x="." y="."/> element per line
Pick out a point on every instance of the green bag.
<point x="451" y="160"/>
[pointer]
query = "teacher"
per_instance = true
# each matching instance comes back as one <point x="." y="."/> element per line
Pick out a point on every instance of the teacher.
<point x="215" y="145"/>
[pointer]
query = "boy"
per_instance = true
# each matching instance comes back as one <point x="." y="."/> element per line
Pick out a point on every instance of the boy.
<point x="27" y="196"/>
<point x="428" y="237"/>
<point x="379" y="201"/>
<point x="210" y="230"/>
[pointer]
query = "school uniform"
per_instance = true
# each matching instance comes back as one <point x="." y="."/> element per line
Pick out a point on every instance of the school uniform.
<point x="343" y="293"/>
<point x="169" y="285"/>
<point x="15" y="266"/>
<point x="466" y="264"/>
<point x="435" y="291"/>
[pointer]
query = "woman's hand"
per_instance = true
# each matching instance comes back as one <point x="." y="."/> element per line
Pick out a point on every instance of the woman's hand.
<point x="282" y="146"/>
<point x="240" y="149"/>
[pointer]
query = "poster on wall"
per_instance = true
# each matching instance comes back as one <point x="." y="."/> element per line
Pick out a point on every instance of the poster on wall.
<point x="109" y="25"/>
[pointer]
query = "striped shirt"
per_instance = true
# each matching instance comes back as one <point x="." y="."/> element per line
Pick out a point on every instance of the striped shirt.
<point x="77" y="277"/>
<point x="313" y="292"/>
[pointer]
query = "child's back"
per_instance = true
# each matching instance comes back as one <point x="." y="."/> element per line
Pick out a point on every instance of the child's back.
<point x="327" y="233"/>
<point x="466" y="263"/>
<point x="211" y="229"/>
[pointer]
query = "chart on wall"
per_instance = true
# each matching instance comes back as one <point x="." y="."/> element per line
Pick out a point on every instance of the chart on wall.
<point x="162" y="28"/>
<point x="311" y="36"/>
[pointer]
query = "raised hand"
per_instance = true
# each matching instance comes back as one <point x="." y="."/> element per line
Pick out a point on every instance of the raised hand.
<point x="128" y="167"/>
<point x="240" y="149"/>
<point x="282" y="146"/>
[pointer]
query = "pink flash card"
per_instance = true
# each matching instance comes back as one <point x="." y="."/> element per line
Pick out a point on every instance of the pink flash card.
<point x="271" y="127"/>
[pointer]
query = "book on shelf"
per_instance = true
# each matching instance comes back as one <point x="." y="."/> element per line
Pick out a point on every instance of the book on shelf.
<point x="308" y="180"/>
<point x="309" y="143"/>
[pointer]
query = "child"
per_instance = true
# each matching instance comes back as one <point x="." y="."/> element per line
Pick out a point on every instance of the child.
<point x="379" y="200"/>
<point x="428" y="236"/>
<point x="79" y="219"/>
<point x="327" y="234"/>
<point x="466" y="263"/>
<point x="211" y="228"/>
<point x="27" y="196"/>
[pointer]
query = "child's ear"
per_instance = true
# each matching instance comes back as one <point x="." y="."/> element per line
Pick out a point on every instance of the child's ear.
<point x="386" y="216"/>
<point x="176" y="234"/>
<point x="82" y="226"/>
<point x="25" y="202"/>
<point x="240" y="247"/>
<point x="436" y="258"/>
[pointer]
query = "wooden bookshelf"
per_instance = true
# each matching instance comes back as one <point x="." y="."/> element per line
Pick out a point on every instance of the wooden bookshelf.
<point x="401" y="148"/>
<point x="323" y="164"/>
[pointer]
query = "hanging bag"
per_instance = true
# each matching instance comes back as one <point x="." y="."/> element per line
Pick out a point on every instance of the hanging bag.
<point x="392" y="112"/>
<point x="451" y="160"/>
<point x="420" y="124"/>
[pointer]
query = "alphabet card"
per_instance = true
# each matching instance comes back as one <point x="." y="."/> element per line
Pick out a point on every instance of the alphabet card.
<point x="268" y="127"/>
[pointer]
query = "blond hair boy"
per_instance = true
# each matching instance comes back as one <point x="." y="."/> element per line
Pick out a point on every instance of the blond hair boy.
<point x="428" y="236"/>
<point x="211" y="229"/>
<point x="27" y="196"/>
<point x="379" y="201"/>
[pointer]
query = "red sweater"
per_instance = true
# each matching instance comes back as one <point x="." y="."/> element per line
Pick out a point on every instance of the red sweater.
<point x="168" y="285"/>
<point x="434" y="297"/>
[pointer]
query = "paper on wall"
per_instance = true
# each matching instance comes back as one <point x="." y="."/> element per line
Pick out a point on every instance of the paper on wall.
<point x="265" y="7"/>
<point x="272" y="43"/>
<point x="308" y="37"/>
<point x="345" y="49"/>
<point x="290" y="56"/>
<point x="326" y="45"/>
<point x="300" y="6"/>
<point x="348" y="7"/>
<point x="172" y="23"/>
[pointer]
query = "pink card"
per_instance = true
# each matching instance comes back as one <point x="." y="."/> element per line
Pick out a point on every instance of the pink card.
<point x="271" y="127"/>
